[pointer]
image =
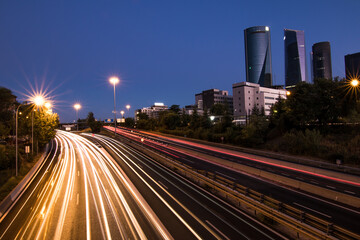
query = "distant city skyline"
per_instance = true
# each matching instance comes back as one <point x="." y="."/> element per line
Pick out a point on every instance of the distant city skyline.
<point x="162" y="51"/>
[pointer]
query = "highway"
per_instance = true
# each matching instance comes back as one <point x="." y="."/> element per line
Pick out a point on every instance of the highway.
<point x="200" y="214"/>
<point x="80" y="194"/>
<point x="337" y="184"/>
<point x="331" y="211"/>
<point x="107" y="190"/>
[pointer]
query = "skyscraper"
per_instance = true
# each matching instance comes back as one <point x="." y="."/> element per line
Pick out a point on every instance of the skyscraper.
<point x="295" y="63"/>
<point x="258" y="55"/>
<point x="352" y="66"/>
<point x="321" y="60"/>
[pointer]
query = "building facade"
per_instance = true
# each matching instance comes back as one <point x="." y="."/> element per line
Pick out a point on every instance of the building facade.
<point x="258" y="55"/>
<point x="153" y="111"/>
<point x="352" y="66"/>
<point x="208" y="98"/>
<point x="321" y="60"/>
<point x="247" y="95"/>
<point x="295" y="62"/>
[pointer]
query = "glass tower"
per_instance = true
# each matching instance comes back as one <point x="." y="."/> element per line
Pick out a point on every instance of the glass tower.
<point x="321" y="60"/>
<point x="295" y="63"/>
<point x="352" y="66"/>
<point x="258" y="55"/>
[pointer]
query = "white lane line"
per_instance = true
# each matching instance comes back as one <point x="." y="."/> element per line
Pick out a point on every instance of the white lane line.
<point x="285" y="174"/>
<point x="77" y="199"/>
<point x="221" y="233"/>
<point x="300" y="178"/>
<point x="331" y="187"/>
<point x="187" y="160"/>
<point x="163" y="185"/>
<point x="349" y="192"/>
<point x="314" y="182"/>
<point x="312" y="210"/>
<point x="225" y="175"/>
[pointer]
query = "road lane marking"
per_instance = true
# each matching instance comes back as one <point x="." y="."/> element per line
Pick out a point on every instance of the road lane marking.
<point x="221" y="233"/>
<point x="163" y="185"/>
<point x="331" y="187"/>
<point x="77" y="199"/>
<point x="300" y="178"/>
<point x="225" y="175"/>
<point x="349" y="192"/>
<point x="323" y="214"/>
<point x="314" y="182"/>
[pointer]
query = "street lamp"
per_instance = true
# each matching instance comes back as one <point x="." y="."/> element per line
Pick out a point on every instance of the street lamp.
<point x="114" y="81"/>
<point x="128" y="108"/>
<point x="38" y="100"/>
<point x="77" y="106"/>
<point x="122" y="114"/>
<point x="354" y="82"/>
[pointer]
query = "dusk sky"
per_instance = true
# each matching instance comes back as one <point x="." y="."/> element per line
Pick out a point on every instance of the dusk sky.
<point x="162" y="51"/>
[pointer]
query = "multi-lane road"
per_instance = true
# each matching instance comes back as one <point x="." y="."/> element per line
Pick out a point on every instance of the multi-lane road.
<point x="103" y="189"/>
<point x="331" y="211"/>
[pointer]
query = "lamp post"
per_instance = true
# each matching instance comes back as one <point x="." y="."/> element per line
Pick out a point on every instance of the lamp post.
<point x="77" y="106"/>
<point x="128" y="108"/>
<point x="38" y="101"/>
<point x="114" y="81"/>
<point x="16" y="140"/>
<point x="122" y="113"/>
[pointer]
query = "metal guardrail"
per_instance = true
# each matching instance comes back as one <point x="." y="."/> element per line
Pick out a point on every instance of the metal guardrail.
<point x="297" y="220"/>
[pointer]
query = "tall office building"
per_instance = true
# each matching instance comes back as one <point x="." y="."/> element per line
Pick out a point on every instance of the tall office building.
<point x="258" y="55"/>
<point x="295" y="63"/>
<point x="352" y="66"/>
<point x="321" y="60"/>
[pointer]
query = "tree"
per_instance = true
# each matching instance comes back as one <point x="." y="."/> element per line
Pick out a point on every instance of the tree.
<point x="129" y="122"/>
<point x="45" y="124"/>
<point x="175" y="109"/>
<point x="218" y="109"/>
<point x="92" y="123"/>
<point x="170" y="120"/>
<point x="7" y="108"/>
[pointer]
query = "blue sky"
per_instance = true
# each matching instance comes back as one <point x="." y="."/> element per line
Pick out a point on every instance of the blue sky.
<point x="163" y="51"/>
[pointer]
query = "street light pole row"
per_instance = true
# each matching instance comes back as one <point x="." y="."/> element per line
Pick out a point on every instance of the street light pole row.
<point x="38" y="101"/>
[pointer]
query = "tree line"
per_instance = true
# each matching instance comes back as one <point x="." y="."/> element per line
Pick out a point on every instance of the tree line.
<point x="309" y="122"/>
<point x="42" y="120"/>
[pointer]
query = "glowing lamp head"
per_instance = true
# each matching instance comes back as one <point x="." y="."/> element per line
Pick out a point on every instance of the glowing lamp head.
<point x="77" y="106"/>
<point x="128" y="107"/>
<point x="39" y="100"/>
<point x="355" y="82"/>
<point x="47" y="105"/>
<point x="114" y="80"/>
<point x="122" y="112"/>
<point x="288" y="93"/>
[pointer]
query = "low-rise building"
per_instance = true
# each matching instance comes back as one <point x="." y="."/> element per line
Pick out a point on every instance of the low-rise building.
<point x="153" y="111"/>
<point x="206" y="99"/>
<point x="248" y="95"/>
